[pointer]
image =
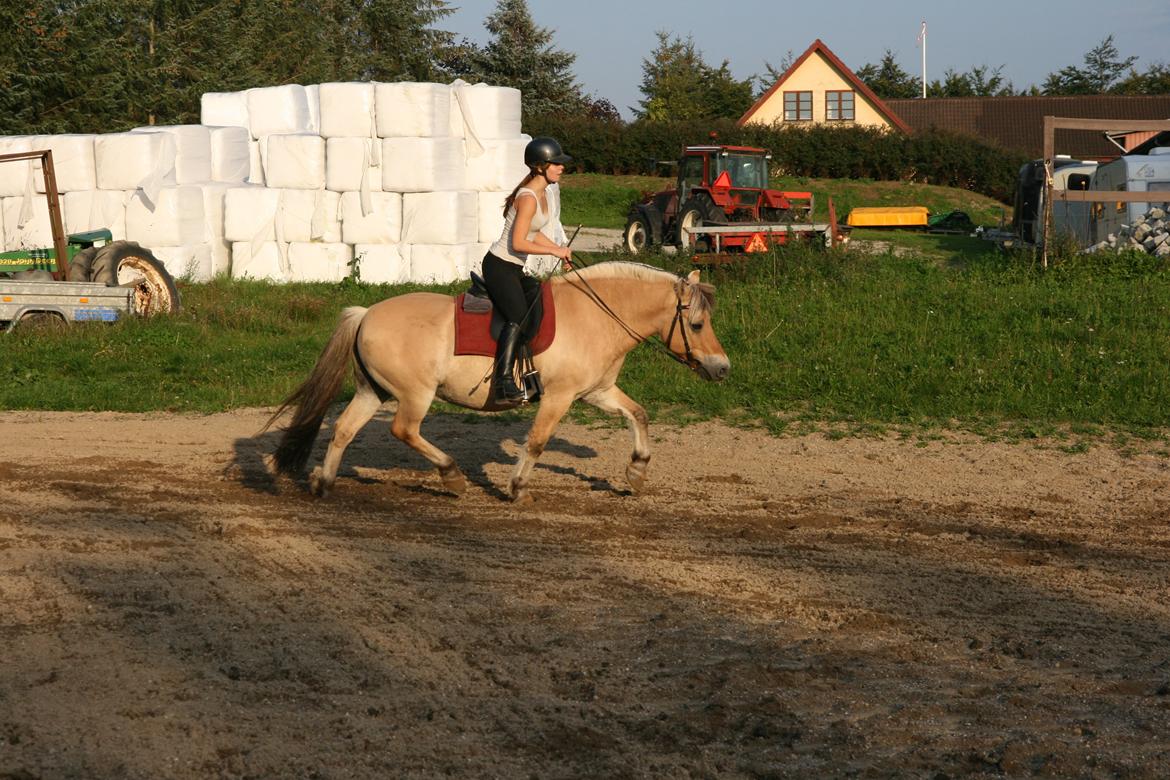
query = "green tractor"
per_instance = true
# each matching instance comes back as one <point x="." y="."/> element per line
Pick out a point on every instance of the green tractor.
<point x="83" y="276"/>
<point x="96" y="258"/>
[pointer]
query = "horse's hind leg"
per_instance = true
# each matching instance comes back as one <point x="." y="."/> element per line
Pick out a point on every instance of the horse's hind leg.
<point x="363" y="406"/>
<point x="406" y="427"/>
<point x="614" y="401"/>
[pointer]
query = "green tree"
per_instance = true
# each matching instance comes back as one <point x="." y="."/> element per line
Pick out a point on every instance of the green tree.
<point x="678" y="84"/>
<point x="520" y="54"/>
<point x="980" y="81"/>
<point x="772" y="73"/>
<point x="1102" y="69"/>
<point x="1155" y="81"/>
<point x="888" y="80"/>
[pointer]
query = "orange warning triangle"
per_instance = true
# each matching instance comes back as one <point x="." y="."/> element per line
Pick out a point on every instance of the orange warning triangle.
<point x="756" y="243"/>
<point x="722" y="182"/>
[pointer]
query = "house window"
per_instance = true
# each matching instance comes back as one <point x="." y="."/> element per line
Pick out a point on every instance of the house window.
<point x="839" y="106"/>
<point x="797" y="106"/>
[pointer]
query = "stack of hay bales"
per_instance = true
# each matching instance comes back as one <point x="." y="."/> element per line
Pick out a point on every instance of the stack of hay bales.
<point x="1149" y="233"/>
<point x="405" y="181"/>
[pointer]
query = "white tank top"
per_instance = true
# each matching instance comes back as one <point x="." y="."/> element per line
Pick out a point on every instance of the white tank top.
<point x="503" y="247"/>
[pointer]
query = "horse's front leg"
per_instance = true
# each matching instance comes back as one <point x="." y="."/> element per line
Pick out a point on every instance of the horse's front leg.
<point x="614" y="401"/>
<point x="552" y="409"/>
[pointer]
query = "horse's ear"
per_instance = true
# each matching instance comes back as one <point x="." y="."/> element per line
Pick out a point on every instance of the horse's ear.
<point x="693" y="277"/>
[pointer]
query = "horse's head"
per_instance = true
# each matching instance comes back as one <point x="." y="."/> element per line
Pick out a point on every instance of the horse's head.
<point x="690" y="335"/>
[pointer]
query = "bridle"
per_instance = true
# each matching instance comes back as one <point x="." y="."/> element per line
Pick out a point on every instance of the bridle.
<point x="689" y="360"/>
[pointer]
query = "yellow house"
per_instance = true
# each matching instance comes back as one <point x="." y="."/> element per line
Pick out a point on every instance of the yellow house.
<point x="818" y="88"/>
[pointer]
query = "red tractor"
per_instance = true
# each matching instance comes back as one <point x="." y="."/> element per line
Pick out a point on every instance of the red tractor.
<point x="720" y="202"/>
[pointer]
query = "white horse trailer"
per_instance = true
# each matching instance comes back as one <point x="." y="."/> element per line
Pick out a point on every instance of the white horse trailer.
<point x="1132" y="173"/>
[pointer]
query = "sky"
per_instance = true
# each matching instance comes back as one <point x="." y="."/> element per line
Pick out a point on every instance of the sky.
<point x="1029" y="38"/>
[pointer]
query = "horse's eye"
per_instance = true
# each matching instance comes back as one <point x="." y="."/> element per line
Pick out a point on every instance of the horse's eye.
<point x="696" y="326"/>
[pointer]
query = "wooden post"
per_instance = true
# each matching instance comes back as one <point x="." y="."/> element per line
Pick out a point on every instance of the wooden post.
<point x="1049" y="155"/>
<point x="55" y="221"/>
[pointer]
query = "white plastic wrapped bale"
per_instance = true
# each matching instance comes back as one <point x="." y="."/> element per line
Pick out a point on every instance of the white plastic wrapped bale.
<point x="350" y="163"/>
<point x="440" y="218"/>
<point x="224" y="109"/>
<point x="26" y="229"/>
<point x="174" y="219"/>
<point x="313" y="94"/>
<point x="412" y="109"/>
<point x="230" y="154"/>
<point x="491" y="215"/>
<point x="484" y="112"/>
<point x="127" y="161"/>
<point x="73" y="161"/>
<point x="383" y="263"/>
<point x="258" y="261"/>
<point x="309" y="215"/>
<point x="249" y="214"/>
<point x="500" y="166"/>
<point x="214" y="209"/>
<point x="279" y="110"/>
<point x="443" y="264"/>
<point x="318" y="262"/>
<point x="422" y="164"/>
<point x="294" y="162"/>
<point x="255" y="163"/>
<point x="14" y="174"/>
<point x="382" y="225"/>
<point x="347" y="109"/>
<point x="192" y="150"/>
<point x="95" y="209"/>
<point x="193" y="261"/>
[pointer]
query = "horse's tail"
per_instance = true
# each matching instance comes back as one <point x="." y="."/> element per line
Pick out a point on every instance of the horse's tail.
<point x="312" y="399"/>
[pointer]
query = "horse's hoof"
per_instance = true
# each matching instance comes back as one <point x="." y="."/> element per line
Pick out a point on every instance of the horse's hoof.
<point x="454" y="481"/>
<point x="636" y="476"/>
<point x="317" y="484"/>
<point x="521" y="496"/>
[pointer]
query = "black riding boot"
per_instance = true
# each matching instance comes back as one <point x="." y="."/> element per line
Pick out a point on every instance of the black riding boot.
<point x="504" y="389"/>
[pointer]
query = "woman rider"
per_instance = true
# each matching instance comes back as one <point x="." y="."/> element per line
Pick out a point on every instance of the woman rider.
<point x="526" y="212"/>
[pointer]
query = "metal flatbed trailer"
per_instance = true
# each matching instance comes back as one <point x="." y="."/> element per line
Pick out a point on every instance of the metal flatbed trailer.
<point x="67" y="301"/>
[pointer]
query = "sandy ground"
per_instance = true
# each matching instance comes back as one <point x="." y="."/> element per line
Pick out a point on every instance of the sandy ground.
<point x="769" y="607"/>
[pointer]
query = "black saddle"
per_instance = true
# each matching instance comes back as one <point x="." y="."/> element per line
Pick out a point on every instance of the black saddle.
<point x="478" y="300"/>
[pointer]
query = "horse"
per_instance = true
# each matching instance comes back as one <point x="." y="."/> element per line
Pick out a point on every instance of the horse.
<point x="403" y="348"/>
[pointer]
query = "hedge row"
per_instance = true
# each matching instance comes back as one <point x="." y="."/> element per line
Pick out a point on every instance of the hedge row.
<point x="819" y="151"/>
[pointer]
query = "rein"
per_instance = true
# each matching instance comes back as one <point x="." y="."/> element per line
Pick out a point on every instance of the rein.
<point x="689" y="361"/>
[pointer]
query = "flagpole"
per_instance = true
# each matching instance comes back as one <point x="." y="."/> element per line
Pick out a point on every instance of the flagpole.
<point x="923" y="59"/>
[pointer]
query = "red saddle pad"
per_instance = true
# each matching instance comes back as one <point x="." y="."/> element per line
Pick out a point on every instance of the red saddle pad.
<point x="473" y="331"/>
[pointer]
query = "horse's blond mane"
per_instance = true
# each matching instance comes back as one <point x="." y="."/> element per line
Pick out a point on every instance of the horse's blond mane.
<point x="617" y="269"/>
<point x="620" y="269"/>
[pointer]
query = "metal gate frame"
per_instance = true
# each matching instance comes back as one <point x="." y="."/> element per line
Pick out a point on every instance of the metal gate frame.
<point x="55" y="222"/>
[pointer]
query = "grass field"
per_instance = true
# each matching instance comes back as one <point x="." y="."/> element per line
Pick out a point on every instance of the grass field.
<point x="839" y="339"/>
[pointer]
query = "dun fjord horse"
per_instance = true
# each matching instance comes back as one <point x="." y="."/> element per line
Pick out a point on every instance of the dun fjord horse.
<point x="403" y="348"/>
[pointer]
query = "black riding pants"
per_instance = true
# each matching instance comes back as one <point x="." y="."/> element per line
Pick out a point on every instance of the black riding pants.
<point x="512" y="292"/>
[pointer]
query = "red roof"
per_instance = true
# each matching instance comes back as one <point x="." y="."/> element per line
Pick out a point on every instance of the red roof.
<point x="858" y="86"/>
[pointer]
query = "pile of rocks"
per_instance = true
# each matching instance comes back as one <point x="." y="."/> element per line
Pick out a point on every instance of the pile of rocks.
<point x="1150" y="233"/>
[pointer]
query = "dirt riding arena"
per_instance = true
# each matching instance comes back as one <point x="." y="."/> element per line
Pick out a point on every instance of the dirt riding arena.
<point x="769" y="607"/>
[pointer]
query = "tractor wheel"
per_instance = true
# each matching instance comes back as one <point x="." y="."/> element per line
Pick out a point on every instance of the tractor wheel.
<point x="694" y="214"/>
<point x="126" y="264"/>
<point x="81" y="266"/>
<point x="636" y="236"/>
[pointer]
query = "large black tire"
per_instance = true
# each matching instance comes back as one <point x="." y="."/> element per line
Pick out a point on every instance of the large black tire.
<point x="126" y="264"/>
<point x="695" y="213"/>
<point x="81" y="266"/>
<point x="636" y="237"/>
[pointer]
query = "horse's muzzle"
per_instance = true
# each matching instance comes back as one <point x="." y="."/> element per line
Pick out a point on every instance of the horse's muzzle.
<point x="714" y="368"/>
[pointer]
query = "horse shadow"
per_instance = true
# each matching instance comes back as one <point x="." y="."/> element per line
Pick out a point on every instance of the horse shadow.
<point x="475" y="442"/>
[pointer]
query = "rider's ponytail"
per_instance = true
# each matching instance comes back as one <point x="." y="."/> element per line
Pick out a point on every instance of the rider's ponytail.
<point x="532" y="174"/>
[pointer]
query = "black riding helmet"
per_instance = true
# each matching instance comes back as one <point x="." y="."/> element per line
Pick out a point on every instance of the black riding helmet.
<point x="545" y="150"/>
